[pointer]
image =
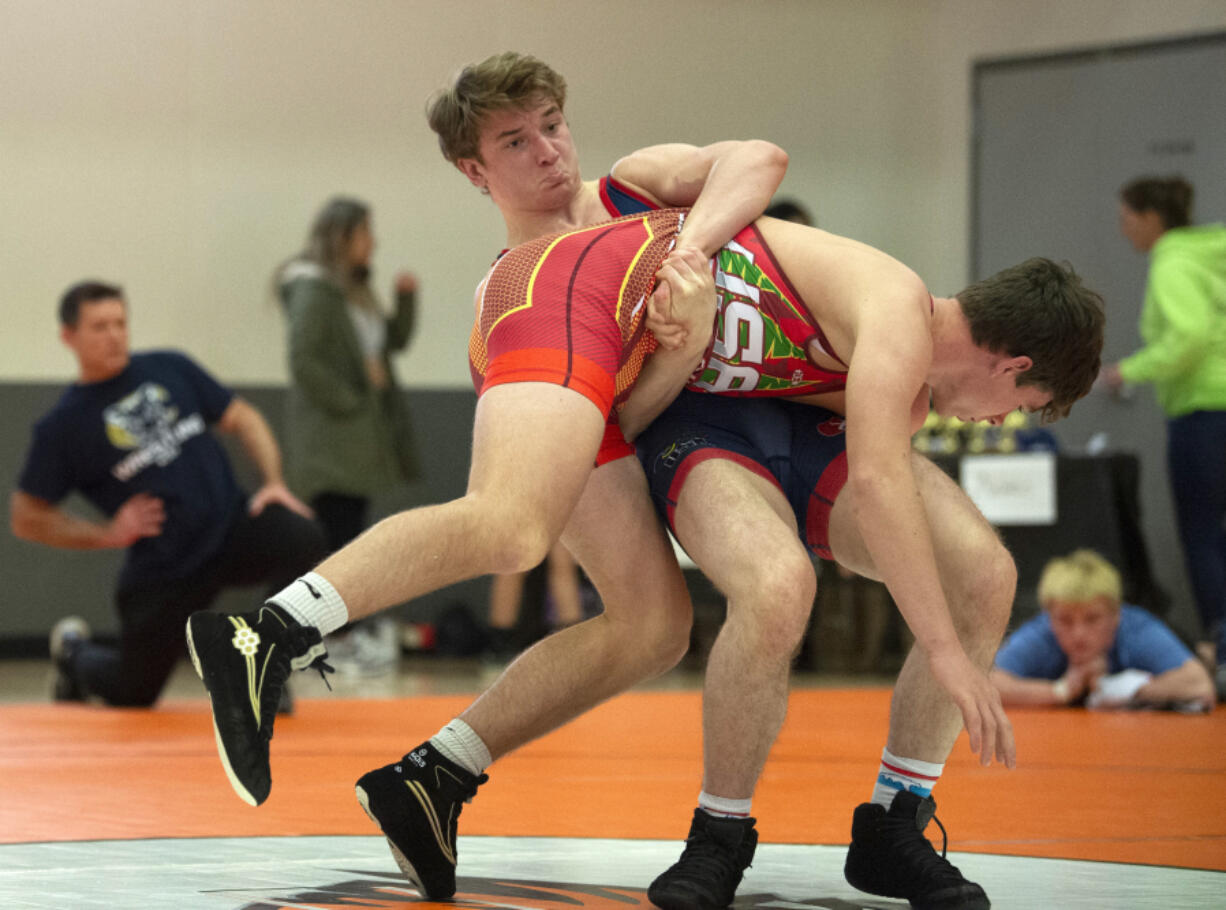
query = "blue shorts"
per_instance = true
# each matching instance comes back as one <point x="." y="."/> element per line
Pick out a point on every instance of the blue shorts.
<point x="799" y="448"/>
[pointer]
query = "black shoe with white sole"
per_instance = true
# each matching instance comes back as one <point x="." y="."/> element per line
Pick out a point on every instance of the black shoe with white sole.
<point x="416" y="803"/>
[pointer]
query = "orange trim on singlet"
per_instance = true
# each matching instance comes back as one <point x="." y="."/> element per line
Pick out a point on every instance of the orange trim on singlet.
<point x="621" y="292"/>
<point x="564" y="368"/>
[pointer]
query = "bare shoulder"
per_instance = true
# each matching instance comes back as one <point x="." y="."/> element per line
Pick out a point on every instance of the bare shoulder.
<point x="851" y="259"/>
<point x="847" y="285"/>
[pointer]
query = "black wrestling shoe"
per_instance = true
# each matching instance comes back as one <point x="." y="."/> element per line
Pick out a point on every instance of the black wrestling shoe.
<point x="244" y="660"/>
<point x="717" y="853"/>
<point x="890" y="857"/>
<point x="416" y="803"/>
<point x="285" y="704"/>
<point x="67" y="635"/>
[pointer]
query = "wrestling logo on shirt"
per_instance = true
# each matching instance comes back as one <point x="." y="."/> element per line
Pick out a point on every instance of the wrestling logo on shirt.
<point x="146" y="422"/>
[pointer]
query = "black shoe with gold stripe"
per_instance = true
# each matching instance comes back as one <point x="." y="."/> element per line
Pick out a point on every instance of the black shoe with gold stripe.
<point x="416" y="802"/>
<point x="244" y="660"/>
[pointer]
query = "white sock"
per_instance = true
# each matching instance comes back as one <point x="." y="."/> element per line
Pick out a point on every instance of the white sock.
<point x="460" y="743"/>
<point x="724" y="808"/>
<point x="910" y="774"/>
<point x="313" y="602"/>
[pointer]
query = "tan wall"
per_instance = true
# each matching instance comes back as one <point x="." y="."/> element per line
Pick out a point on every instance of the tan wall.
<point x="181" y="146"/>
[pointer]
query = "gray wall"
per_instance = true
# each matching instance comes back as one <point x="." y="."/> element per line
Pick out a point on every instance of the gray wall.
<point x="44" y="584"/>
<point x="1056" y="138"/>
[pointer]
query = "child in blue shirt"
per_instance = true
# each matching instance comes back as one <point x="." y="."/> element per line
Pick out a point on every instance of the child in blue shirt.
<point x="1088" y="645"/>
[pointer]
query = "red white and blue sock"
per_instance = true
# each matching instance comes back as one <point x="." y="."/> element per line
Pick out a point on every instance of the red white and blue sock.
<point x="910" y="774"/>
<point x="724" y="808"/>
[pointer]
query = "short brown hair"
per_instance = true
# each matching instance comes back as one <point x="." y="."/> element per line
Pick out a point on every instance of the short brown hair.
<point x="1041" y="310"/>
<point x="506" y="80"/>
<point x="84" y="292"/>
<point x="1170" y="197"/>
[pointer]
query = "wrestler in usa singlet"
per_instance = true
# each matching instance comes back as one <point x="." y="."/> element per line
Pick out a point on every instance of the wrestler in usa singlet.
<point x="763" y="329"/>
<point x="568" y="308"/>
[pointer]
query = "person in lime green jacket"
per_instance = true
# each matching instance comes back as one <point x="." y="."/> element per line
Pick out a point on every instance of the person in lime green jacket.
<point x="1183" y="327"/>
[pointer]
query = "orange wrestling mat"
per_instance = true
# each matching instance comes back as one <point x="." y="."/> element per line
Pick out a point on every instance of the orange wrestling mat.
<point x="1138" y="787"/>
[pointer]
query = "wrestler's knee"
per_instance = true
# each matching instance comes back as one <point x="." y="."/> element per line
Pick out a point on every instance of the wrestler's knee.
<point x="667" y="633"/>
<point x="771" y="617"/>
<point x="517" y="546"/>
<point x="982" y="611"/>
<point x="655" y="638"/>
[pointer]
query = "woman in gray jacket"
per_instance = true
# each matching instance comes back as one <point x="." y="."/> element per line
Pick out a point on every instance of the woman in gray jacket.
<point x="348" y="435"/>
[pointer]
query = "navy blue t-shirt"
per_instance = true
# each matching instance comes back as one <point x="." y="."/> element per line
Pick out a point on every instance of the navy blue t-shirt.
<point x="145" y="430"/>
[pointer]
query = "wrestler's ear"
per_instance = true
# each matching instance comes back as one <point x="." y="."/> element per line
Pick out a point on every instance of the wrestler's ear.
<point x="1015" y="365"/>
<point x="474" y="170"/>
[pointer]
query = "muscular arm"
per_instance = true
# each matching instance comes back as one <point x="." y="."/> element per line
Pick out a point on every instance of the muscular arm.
<point x="687" y="290"/>
<point x="726" y="185"/>
<point x="891" y="520"/>
<point x="884" y="376"/>
<point x="888" y="367"/>
<point x="663" y="377"/>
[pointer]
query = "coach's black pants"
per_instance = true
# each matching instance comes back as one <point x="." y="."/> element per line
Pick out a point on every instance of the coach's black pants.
<point x="272" y="548"/>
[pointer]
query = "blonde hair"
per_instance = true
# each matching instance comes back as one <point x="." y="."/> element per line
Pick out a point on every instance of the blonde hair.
<point x="1081" y="576"/>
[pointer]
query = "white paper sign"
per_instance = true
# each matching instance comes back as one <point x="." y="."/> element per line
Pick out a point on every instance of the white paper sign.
<point x="1012" y="489"/>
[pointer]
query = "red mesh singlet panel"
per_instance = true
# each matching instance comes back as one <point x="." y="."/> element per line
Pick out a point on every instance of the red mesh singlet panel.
<point x="569" y="307"/>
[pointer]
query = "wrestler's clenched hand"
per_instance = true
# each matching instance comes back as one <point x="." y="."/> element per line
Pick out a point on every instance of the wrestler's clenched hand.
<point x="681" y="311"/>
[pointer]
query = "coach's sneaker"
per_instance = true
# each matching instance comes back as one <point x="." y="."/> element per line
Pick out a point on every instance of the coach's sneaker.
<point x="890" y="857"/>
<point x="717" y="853"/>
<point x="416" y="802"/>
<point x="244" y="660"/>
<point x="67" y="636"/>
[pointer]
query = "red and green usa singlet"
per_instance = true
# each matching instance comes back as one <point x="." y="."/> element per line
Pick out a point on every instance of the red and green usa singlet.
<point x="568" y="308"/>
<point x="762" y="329"/>
<point x="555" y="288"/>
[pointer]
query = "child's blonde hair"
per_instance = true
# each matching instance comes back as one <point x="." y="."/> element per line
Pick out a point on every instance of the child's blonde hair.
<point x="1081" y="576"/>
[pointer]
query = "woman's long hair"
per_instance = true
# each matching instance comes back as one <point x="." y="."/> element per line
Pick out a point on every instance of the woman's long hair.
<point x="326" y="248"/>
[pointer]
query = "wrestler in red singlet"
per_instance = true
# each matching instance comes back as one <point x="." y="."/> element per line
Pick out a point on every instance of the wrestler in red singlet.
<point x="568" y="309"/>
